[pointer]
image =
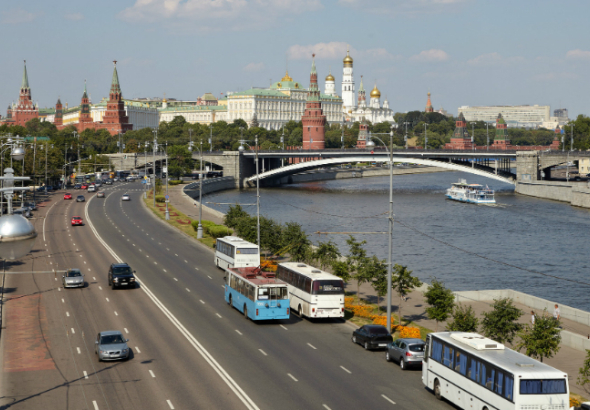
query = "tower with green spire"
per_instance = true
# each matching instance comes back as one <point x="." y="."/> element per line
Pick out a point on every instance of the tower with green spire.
<point x="313" y="119"/>
<point x="25" y="110"/>
<point x="85" y="120"/>
<point x="115" y="119"/>
<point x="501" y="140"/>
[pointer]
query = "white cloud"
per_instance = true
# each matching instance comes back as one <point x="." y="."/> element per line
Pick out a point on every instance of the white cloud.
<point x="323" y="51"/>
<point x="578" y="54"/>
<point x="253" y="67"/>
<point x="491" y="59"/>
<point x="74" y="16"/>
<point x="430" y="56"/>
<point x="17" y="16"/>
<point x="217" y="14"/>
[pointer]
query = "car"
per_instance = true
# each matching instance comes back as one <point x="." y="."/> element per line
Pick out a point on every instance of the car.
<point x="78" y="186"/>
<point x="80" y="198"/>
<point x="97" y="184"/>
<point x="31" y="205"/>
<point x="77" y="221"/>
<point x="372" y="336"/>
<point x="108" y="182"/>
<point x="100" y="194"/>
<point x="121" y="274"/>
<point x="73" y="278"/>
<point x="407" y="352"/>
<point x="67" y="195"/>
<point x="125" y="197"/>
<point x="116" y="179"/>
<point x="22" y="212"/>
<point x="111" y="345"/>
<point x="91" y="188"/>
<point x="84" y="186"/>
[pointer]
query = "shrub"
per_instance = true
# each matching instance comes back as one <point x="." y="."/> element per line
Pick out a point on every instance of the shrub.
<point x="160" y="198"/>
<point x="175" y="182"/>
<point x="204" y="223"/>
<point x="218" y="231"/>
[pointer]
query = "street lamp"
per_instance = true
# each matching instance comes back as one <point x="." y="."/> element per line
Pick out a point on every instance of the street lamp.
<point x="472" y="136"/>
<point x="371" y="144"/>
<point x="200" y="227"/>
<point x="487" y="136"/>
<point x="155" y="132"/>
<point x="76" y="135"/>
<point x="166" y="201"/>
<point x="406" y="136"/>
<point x="342" y="134"/>
<point x="241" y="149"/>
<point x="425" y="137"/>
<point x="572" y="137"/>
<point x="210" y="138"/>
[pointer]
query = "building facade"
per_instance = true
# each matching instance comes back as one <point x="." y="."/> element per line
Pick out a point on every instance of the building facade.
<point x="529" y="116"/>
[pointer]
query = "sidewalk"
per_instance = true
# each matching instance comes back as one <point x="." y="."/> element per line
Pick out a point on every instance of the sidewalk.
<point x="189" y="206"/>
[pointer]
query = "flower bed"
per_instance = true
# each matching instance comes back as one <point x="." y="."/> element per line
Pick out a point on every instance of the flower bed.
<point x="367" y="312"/>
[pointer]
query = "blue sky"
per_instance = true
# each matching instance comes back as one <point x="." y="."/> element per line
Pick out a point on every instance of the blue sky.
<point x="466" y="52"/>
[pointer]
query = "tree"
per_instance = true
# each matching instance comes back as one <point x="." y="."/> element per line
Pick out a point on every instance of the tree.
<point x="464" y="319"/>
<point x="541" y="339"/>
<point x="501" y="324"/>
<point x="374" y="271"/>
<point x="296" y="241"/>
<point x="340" y="269"/>
<point x="326" y="253"/>
<point x="356" y="258"/>
<point x="403" y="282"/>
<point x="584" y="372"/>
<point x="233" y="214"/>
<point x="441" y="301"/>
<point x="179" y="160"/>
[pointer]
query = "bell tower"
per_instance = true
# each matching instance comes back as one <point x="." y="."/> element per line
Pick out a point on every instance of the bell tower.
<point x="348" y="100"/>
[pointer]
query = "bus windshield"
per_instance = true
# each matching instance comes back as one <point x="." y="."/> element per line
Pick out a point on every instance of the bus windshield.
<point x="554" y="386"/>
<point x="272" y="293"/>
<point x="247" y="251"/>
<point x="327" y="287"/>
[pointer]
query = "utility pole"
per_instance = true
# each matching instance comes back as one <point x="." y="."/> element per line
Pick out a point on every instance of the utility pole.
<point x="167" y="211"/>
<point x="425" y="137"/>
<point x="487" y="136"/>
<point x="572" y="138"/>
<point x="155" y="132"/>
<point x="406" y="136"/>
<point x="200" y="227"/>
<point x="257" y="196"/>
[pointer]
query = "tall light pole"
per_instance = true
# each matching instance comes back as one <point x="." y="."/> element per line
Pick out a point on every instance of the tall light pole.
<point x="390" y="251"/>
<point x="210" y="138"/>
<point x="200" y="227"/>
<point x="166" y="153"/>
<point x="241" y="149"/>
<point x="472" y="136"/>
<point x="342" y="134"/>
<point x="572" y="138"/>
<point x="487" y="136"/>
<point x="425" y="137"/>
<point x="77" y="136"/>
<point x="406" y="136"/>
<point x="155" y="132"/>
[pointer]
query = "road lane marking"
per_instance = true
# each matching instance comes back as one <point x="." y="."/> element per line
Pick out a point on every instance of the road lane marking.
<point x="95" y="405"/>
<point x="170" y="404"/>
<point x="59" y="289"/>
<point x="218" y="315"/>
<point x="94" y="278"/>
<point x="100" y="287"/>
<point x="116" y="314"/>
<point x="126" y="331"/>
<point x="238" y="332"/>
<point x="164" y="270"/>
<point x="79" y="351"/>
<point x="85" y="374"/>
<point x="152" y="373"/>
<point x="388" y="399"/>
<point x="68" y="314"/>
<point x="187" y="289"/>
<point x="73" y="331"/>
<point x="345" y="369"/>
<point x="63" y="301"/>
<point x="262" y="351"/>
<point x="312" y="346"/>
<point x="283" y="327"/>
<point x="209" y="277"/>
<point x="137" y="349"/>
<point x="185" y="261"/>
<point x="201" y="301"/>
<point x="196" y="268"/>
<point x="176" y="279"/>
<point x="176" y="254"/>
<point x="293" y="377"/>
<point x="155" y="263"/>
<point x="84" y="262"/>
<point x="326" y="407"/>
<point x="107" y="299"/>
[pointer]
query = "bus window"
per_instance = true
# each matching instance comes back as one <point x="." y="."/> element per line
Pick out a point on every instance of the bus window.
<point x="262" y="293"/>
<point x="308" y="285"/>
<point x="328" y="287"/>
<point x="437" y="348"/>
<point x="247" y="251"/>
<point x="278" y="293"/>
<point x="448" y="356"/>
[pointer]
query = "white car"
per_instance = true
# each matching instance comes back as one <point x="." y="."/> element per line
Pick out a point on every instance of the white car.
<point x="73" y="278"/>
<point x="91" y="188"/>
<point x="125" y="197"/>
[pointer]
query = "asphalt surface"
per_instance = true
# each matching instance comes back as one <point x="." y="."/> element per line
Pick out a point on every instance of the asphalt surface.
<point x="190" y="349"/>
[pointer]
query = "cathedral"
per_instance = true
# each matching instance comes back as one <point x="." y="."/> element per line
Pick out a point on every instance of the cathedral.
<point x="355" y="108"/>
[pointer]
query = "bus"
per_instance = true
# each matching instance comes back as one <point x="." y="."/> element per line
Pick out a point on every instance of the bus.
<point x="234" y="252"/>
<point x="257" y="294"/>
<point x="474" y="372"/>
<point x="314" y="293"/>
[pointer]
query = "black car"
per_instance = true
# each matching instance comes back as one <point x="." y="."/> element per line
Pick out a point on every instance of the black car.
<point x="80" y="198"/>
<point x="372" y="336"/>
<point x="77" y="186"/>
<point x="121" y="274"/>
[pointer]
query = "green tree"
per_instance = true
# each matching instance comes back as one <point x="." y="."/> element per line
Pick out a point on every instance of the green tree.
<point x="356" y="258"/>
<point x="340" y="269"/>
<point x="233" y="214"/>
<point x="464" y="319"/>
<point x="374" y="271"/>
<point x="500" y="324"/>
<point x="403" y="282"/>
<point x="179" y="160"/>
<point x="440" y="300"/>
<point x="541" y="339"/>
<point x="296" y="241"/>
<point x="584" y="373"/>
<point x="326" y="253"/>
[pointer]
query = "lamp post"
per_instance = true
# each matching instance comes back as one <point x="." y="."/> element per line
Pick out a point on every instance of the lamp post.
<point x="342" y="134"/>
<point x="406" y="136"/>
<point x="472" y="136"/>
<point x="210" y="138"/>
<point x="155" y="132"/>
<point x="572" y="138"/>
<point x="425" y="137"/>
<point x="487" y="136"/>
<point x="200" y="227"/>
<point x="390" y="250"/>
<point x="241" y="149"/>
<point x="167" y="211"/>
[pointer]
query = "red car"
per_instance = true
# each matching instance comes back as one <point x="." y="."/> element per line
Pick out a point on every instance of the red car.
<point x="67" y="195"/>
<point x="84" y="186"/>
<point x="76" y="220"/>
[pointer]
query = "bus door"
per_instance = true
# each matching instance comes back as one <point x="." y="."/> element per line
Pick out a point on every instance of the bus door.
<point x="425" y="361"/>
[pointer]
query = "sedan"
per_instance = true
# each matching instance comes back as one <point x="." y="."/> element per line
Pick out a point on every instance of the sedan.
<point x="125" y="197"/>
<point x="407" y="352"/>
<point x="80" y="198"/>
<point x="111" y="345"/>
<point x="77" y="221"/>
<point x="108" y="182"/>
<point x="73" y="278"/>
<point x="84" y="186"/>
<point x="372" y="336"/>
<point x="77" y="186"/>
<point x="100" y="194"/>
<point x="67" y="195"/>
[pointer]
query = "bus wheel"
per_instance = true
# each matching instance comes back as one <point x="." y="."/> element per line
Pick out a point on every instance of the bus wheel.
<point x="300" y="312"/>
<point x="437" y="390"/>
<point x="229" y="300"/>
<point x="246" y="311"/>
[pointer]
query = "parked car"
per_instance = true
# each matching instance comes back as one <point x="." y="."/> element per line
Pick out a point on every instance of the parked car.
<point x="73" y="278"/>
<point x="80" y="198"/>
<point x="67" y="195"/>
<point x="372" y="336"/>
<point x="121" y="274"/>
<point x="77" y="221"/>
<point x="125" y="197"/>
<point x="31" y="205"/>
<point x="78" y="186"/>
<point x="100" y="194"/>
<point x="111" y="345"/>
<point x="407" y="352"/>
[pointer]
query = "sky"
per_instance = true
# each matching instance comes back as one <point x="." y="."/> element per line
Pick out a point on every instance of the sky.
<point x="465" y="52"/>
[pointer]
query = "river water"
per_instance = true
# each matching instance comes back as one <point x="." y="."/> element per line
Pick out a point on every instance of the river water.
<point x="467" y="246"/>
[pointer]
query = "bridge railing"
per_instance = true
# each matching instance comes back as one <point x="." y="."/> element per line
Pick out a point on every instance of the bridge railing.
<point x="380" y="150"/>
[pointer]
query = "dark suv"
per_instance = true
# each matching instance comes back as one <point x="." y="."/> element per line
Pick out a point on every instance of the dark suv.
<point x="120" y="274"/>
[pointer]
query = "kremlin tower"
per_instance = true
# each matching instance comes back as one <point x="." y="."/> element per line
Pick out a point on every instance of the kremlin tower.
<point x="501" y="140"/>
<point x="429" y="107"/>
<point x="59" y="115"/>
<point x="85" y="120"/>
<point x="362" y="101"/>
<point x="24" y="110"/>
<point x="460" y="139"/>
<point x="348" y="102"/>
<point x="115" y="120"/>
<point x="313" y="118"/>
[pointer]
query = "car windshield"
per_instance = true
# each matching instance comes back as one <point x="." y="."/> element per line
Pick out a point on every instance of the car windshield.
<point x="416" y="348"/>
<point x="377" y="331"/>
<point x="76" y="217"/>
<point x="111" y="339"/>
<point x="122" y="270"/>
<point x="73" y="274"/>
<point x="80" y="197"/>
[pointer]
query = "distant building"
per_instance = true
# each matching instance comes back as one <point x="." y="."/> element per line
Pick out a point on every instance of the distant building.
<point x="560" y="113"/>
<point x="313" y="120"/>
<point x="429" y="104"/>
<point x="25" y="110"/>
<point x="529" y="116"/>
<point x="460" y="139"/>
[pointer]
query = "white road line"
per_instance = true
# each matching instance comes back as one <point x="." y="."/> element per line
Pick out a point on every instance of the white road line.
<point x="201" y="301"/>
<point x="79" y="351"/>
<point x="73" y="331"/>
<point x="388" y="399"/>
<point x="185" y="261"/>
<point x="291" y="376"/>
<point x="59" y="289"/>
<point x="84" y="262"/>
<point x="176" y="254"/>
<point x="167" y="249"/>
<point x="89" y="271"/>
<point x="262" y="351"/>
<point x="187" y="289"/>
<point x="107" y="299"/>
<point x="218" y="315"/>
<point x="100" y="287"/>
<point x="152" y="373"/>
<point x="283" y="327"/>
<point x="326" y="407"/>
<point x="93" y="278"/>
<point x="126" y="331"/>
<point x="176" y="279"/>
<point x="68" y="314"/>
<point x="85" y="374"/>
<point x="63" y="301"/>
<point x="345" y="369"/>
<point x="95" y="405"/>
<point x="312" y="346"/>
<point x="238" y="332"/>
<point x="137" y="349"/>
<point x="164" y="270"/>
<point x="196" y="268"/>
<point x="209" y="277"/>
<point x="116" y="314"/>
<point x="170" y="404"/>
<point x="155" y="263"/>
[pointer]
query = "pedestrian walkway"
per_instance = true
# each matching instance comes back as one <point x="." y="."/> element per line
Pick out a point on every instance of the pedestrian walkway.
<point x="190" y="207"/>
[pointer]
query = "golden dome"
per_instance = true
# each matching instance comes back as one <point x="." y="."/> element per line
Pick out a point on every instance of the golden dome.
<point x="330" y="77"/>
<point x="286" y="77"/>
<point x="375" y="93"/>
<point x="348" y="59"/>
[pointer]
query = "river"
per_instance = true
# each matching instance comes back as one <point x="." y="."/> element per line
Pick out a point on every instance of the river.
<point x="469" y="247"/>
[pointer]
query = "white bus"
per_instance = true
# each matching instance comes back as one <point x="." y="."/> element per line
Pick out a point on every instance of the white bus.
<point x="477" y="373"/>
<point x="314" y="293"/>
<point x="234" y="252"/>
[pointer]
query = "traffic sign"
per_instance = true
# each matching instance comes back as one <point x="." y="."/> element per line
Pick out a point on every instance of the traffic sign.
<point x="167" y="197"/>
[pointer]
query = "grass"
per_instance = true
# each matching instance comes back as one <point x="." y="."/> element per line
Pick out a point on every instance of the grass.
<point x="186" y="228"/>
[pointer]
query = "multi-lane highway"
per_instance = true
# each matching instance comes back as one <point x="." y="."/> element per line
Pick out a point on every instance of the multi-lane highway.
<point x="189" y="348"/>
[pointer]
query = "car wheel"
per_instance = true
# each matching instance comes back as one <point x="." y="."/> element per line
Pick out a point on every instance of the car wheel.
<point x="366" y="346"/>
<point x="387" y="357"/>
<point x="437" y="390"/>
<point x="246" y="312"/>
<point x="402" y="364"/>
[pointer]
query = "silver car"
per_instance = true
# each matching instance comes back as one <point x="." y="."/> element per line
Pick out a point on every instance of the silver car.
<point x="111" y="345"/>
<point x="408" y="352"/>
<point x="125" y="197"/>
<point x="73" y="279"/>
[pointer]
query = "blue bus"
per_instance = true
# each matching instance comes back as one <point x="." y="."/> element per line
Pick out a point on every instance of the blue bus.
<point x="257" y="294"/>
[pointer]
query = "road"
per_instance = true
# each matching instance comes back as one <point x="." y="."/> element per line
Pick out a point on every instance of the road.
<point x="190" y="349"/>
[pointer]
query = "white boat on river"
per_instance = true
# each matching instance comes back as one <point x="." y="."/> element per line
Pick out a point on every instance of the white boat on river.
<point x="472" y="193"/>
